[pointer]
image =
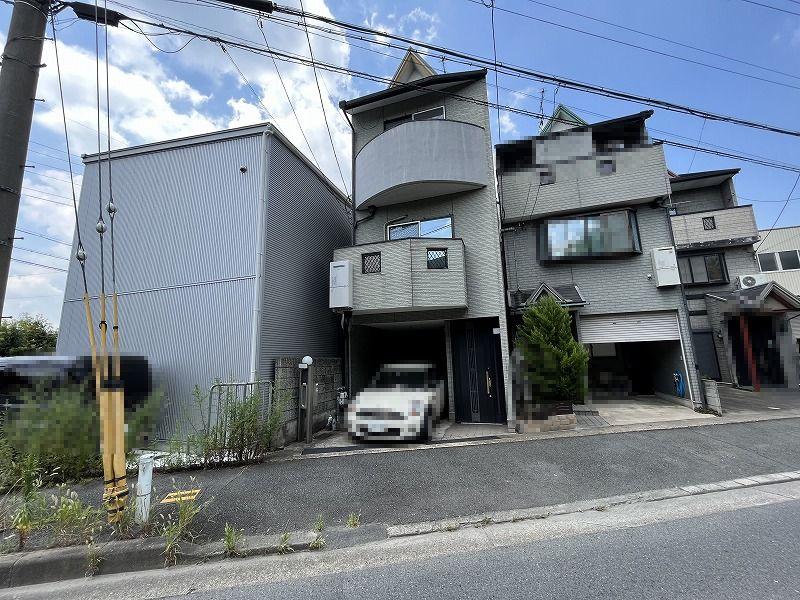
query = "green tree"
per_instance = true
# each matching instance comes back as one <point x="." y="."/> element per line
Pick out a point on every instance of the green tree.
<point x="27" y="335"/>
<point x="551" y="364"/>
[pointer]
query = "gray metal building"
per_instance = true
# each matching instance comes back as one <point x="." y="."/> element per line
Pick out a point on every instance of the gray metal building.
<point x="223" y="243"/>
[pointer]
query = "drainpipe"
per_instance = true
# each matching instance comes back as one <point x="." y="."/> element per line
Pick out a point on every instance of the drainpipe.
<point x="703" y="398"/>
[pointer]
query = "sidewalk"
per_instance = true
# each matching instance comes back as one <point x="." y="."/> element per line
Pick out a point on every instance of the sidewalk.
<point x="442" y="481"/>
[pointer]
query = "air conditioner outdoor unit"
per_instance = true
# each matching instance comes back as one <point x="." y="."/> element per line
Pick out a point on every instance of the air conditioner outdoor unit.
<point x="747" y="281"/>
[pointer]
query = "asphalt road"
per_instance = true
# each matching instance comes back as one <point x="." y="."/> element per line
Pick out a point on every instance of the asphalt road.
<point x="748" y="553"/>
<point x="404" y="487"/>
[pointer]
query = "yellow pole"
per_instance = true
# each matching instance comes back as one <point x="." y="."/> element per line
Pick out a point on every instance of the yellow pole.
<point x="118" y="424"/>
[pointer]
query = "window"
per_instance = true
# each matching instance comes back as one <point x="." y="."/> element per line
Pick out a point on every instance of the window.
<point x="606" y="166"/>
<point x="709" y="223"/>
<point x="702" y="268"/>
<point x="437" y="258"/>
<point x="783" y="260"/>
<point x="767" y="261"/>
<point x="430" y="228"/>
<point x="789" y="260"/>
<point x="371" y="262"/>
<point x="547" y="175"/>
<point x="605" y="234"/>
<point x="423" y="115"/>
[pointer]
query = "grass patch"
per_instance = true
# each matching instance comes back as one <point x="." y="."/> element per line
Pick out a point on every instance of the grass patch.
<point x="318" y="543"/>
<point x="284" y="547"/>
<point x="233" y="541"/>
<point x="319" y="524"/>
<point x="353" y="520"/>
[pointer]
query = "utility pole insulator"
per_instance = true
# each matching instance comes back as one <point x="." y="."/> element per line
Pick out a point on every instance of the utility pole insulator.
<point x="264" y="6"/>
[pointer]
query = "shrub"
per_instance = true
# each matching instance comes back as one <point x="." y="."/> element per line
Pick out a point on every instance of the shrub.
<point x="27" y="335"/>
<point x="553" y="365"/>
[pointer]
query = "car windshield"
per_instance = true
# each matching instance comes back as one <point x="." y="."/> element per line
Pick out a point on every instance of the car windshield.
<point x="401" y="379"/>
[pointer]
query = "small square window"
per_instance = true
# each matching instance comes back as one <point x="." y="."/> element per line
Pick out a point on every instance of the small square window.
<point x="709" y="223"/>
<point x="547" y="176"/>
<point x="371" y="262"/>
<point x="437" y="258"/>
<point x="606" y="166"/>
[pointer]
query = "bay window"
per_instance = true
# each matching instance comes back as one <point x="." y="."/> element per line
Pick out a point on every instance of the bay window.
<point x="591" y="236"/>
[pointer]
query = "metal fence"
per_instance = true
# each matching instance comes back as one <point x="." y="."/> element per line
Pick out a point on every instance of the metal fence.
<point x="222" y="397"/>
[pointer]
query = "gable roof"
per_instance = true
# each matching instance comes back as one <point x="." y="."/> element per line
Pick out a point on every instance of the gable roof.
<point x="566" y="295"/>
<point x="411" y="68"/>
<point x="562" y="116"/>
<point x="403" y="91"/>
<point x="753" y="298"/>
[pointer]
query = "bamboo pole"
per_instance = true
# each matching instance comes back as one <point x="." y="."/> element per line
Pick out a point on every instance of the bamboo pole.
<point x="117" y="397"/>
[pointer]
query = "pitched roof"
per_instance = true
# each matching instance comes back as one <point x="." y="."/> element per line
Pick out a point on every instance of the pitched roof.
<point x="704" y="175"/>
<point x="411" y="68"/>
<point x="565" y="295"/>
<point x="562" y="116"/>
<point x="753" y="298"/>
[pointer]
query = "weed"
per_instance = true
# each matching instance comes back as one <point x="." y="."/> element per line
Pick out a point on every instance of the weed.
<point x="601" y="508"/>
<point x="232" y="540"/>
<point x="319" y="524"/>
<point x="31" y="510"/>
<point x="179" y="528"/>
<point x="353" y="520"/>
<point x="73" y="521"/>
<point x="484" y="522"/>
<point x="124" y="527"/>
<point x="283" y="544"/>
<point x="93" y="559"/>
<point x="318" y="543"/>
<point x="451" y="527"/>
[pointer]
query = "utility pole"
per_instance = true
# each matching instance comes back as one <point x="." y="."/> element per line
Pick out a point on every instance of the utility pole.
<point x="18" y="79"/>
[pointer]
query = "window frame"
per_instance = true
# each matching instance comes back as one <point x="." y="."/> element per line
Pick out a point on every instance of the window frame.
<point x="419" y="235"/>
<point x="776" y="256"/>
<point x="545" y="255"/>
<point x="428" y="258"/>
<point x="408" y="118"/>
<point x="364" y="255"/>
<point x="723" y="265"/>
<point x="709" y="220"/>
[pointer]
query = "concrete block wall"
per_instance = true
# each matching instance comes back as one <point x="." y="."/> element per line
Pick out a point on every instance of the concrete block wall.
<point x="328" y="377"/>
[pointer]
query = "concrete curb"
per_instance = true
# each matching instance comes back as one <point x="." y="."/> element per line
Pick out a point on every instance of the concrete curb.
<point x="599" y="504"/>
<point x="58" y="564"/>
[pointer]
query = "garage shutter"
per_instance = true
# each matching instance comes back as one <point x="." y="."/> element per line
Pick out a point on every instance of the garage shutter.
<point x="629" y="327"/>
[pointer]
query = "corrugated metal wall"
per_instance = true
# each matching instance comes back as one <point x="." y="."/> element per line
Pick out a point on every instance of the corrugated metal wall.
<point x="186" y="237"/>
<point x="304" y="223"/>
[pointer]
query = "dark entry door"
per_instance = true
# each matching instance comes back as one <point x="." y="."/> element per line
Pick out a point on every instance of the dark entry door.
<point x="706" y="354"/>
<point x="477" y="371"/>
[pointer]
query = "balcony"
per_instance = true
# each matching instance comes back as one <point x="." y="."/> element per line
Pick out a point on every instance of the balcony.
<point x="401" y="279"/>
<point x="620" y="178"/>
<point x="734" y="226"/>
<point x="421" y="159"/>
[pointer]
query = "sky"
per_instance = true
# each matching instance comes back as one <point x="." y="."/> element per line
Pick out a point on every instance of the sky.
<point x="160" y="89"/>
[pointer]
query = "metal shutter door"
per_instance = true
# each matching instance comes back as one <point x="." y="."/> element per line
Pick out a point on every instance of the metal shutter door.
<point x="631" y="327"/>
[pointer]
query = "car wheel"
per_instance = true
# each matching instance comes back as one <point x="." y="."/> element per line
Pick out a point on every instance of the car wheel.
<point x="427" y="428"/>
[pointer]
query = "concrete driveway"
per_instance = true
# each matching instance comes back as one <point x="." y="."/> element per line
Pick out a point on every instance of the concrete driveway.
<point x="633" y="410"/>
<point x="769" y="401"/>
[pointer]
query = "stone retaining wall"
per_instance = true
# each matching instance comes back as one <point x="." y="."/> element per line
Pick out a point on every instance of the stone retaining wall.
<point x="328" y="377"/>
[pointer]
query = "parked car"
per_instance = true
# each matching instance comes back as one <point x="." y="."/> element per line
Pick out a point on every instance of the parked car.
<point x="402" y="402"/>
<point x="19" y="374"/>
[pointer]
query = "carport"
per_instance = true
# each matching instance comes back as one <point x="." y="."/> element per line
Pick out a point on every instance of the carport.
<point x="376" y="344"/>
<point x="634" y="355"/>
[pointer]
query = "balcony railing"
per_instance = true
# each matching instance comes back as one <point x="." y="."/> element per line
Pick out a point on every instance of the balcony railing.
<point x="406" y="275"/>
<point x="734" y="226"/>
<point x="421" y="159"/>
<point x="620" y="178"/>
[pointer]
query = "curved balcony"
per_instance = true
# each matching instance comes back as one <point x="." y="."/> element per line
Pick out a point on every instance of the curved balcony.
<point x="421" y="159"/>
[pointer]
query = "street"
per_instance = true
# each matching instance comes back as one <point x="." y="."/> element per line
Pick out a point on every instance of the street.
<point x="436" y="483"/>
<point x="737" y="543"/>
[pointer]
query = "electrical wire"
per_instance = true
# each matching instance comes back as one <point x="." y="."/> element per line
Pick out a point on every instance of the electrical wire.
<point x="246" y="81"/>
<point x="785" y="204"/>
<point x="783" y="10"/>
<point x="322" y="104"/>
<point x="496" y="84"/>
<point x="43" y="236"/>
<point x="638" y="47"/>
<point x="101" y="225"/>
<point x="699" y="139"/>
<point x="35" y="264"/>
<point x="32" y="251"/>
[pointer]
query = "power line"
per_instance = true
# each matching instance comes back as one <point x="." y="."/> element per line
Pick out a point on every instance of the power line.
<point x="322" y="104"/>
<point x="783" y="10"/>
<point x="45" y="199"/>
<point x="35" y="264"/>
<point x="43" y="236"/>
<point x="288" y="57"/>
<point x="664" y="39"/>
<point x="511" y="69"/>
<point x="638" y="47"/>
<point x="18" y="247"/>
<point x="785" y="204"/>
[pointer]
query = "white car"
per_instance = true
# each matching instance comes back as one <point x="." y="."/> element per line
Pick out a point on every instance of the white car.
<point x="402" y="402"/>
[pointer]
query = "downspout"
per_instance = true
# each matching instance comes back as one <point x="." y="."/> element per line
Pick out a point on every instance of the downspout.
<point x="703" y="398"/>
<point x="347" y="317"/>
<point x="258" y="293"/>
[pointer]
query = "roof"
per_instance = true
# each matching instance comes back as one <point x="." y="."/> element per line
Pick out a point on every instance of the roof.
<point x="727" y="173"/>
<point x="562" y="115"/>
<point x="752" y="299"/>
<point x="566" y="295"/>
<point x="411" y="68"/>
<point x="403" y="91"/>
<point x="216" y="136"/>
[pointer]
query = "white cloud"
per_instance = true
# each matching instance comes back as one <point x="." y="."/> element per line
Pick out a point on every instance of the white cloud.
<point x="177" y="89"/>
<point x="417" y="23"/>
<point x="507" y="125"/>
